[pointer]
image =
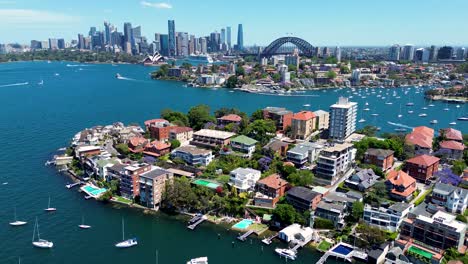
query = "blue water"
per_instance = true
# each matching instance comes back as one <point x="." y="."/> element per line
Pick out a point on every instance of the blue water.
<point x="245" y="223"/>
<point x="36" y="120"/>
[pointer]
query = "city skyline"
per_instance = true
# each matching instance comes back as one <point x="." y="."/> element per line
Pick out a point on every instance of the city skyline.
<point x="26" y="20"/>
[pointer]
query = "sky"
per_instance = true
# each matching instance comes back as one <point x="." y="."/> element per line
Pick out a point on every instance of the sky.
<point x="320" y="22"/>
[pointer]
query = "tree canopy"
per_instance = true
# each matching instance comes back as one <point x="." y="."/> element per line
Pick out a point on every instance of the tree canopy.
<point x="199" y="115"/>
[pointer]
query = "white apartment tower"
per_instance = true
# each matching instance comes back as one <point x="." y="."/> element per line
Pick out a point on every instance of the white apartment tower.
<point x="342" y="119"/>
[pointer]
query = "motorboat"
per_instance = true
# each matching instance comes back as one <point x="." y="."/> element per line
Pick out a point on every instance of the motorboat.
<point x="400" y="129"/>
<point x="463" y="118"/>
<point x="362" y="120"/>
<point x="434" y="121"/>
<point x="118" y="76"/>
<point x="410" y="111"/>
<point x="366" y="109"/>
<point x="374" y="114"/>
<point x="200" y="260"/>
<point x="452" y="123"/>
<point x="40" y="243"/>
<point x="409" y="104"/>
<point x="126" y="243"/>
<point x="422" y="115"/>
<point x="306" y="105"/>
<point x="286" y="253"/>
<point x="424" y="108"/>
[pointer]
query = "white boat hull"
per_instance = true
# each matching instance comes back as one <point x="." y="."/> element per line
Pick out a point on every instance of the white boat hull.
<point x="127" y="243"/>
<point x="50" y="209"/>
<point x="286" y="253"/>
<point x="18" y="223"/>
<point x="43" y="244"/>
<point x="84" y="226"/>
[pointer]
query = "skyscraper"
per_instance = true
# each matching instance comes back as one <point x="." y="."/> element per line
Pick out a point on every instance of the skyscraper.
<point x="107" y="33"/>
<point x="408" y="52"/>
<point x="460" y="53"/>
<point x="394" y="53"/>
<point x="164" y="39"/>
<point x="240" y="37"/>
<point x="223" y="36"/>
<point x="61" y="43"/>
<point x="445" y="53"/>
<point x="228" y="37"/>
<point x="214" y="41"/>
<point x="53" y="43"/>
<point x="342" y="119"/>
<point x="433" y="53"/>
<point x="92" y="31"/>
<point x="182" y="44"/>
<point x="128" y="37"/>
<point x="81" y="44"/>
<point x="338" y="54"/>
<point x="171" y="37"/>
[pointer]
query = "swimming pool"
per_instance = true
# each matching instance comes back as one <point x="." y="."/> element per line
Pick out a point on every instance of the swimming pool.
<point x="91" y="190"/>
<point x="245" y="223"/>
<point x="208" y="184"/>
<point x="343" y="250"/>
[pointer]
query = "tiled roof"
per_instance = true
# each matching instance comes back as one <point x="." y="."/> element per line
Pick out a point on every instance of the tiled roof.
<point x="304" y="115"/>
<point x="136" y="141"/>
<point x="453" y="134"/>
<point x="180" y="129"/>
<point x="231" y="117"/>
<point x="400" y="178"/>
<point x="421" y="136"/>
<point x="158" y="145"/>
<point x="273" y="181"/>
<point x="157" y="120"/>
<point x="379" y="152"/>
<point x="425" y="160"/>
<point x="451" y="144"/>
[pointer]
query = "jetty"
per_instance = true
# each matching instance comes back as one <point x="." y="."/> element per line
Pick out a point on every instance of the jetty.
<point x="299" y="245"/>
<point x="195" y="221"/>
<point x="268" y="240"/>
<point x="244" y="236"/>
<point x="71" y="185"/>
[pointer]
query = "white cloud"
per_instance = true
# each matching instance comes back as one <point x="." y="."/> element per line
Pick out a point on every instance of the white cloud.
<point x="20" y="17"/>
<point x="161" y="5"/>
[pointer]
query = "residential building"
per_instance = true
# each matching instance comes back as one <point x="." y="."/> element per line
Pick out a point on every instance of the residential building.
<point x="292" y="60"/>
<point x="115" y="172"/>
<point x="342" y="119"/>
<point x="211" y="138"/>
<point x="279" y="115"/>
<point x="334" y="162"/>
<point x="175" y="72"/>
<point x="296" y="233"/>
<point x="451" y="134"/>
<point x="193" y="155"/>
<point x="228" y="119"/>
<point x="269" y="190"/>
<point x="454" y="199"/>
<point x="394" y="53"/>
<point x="303" y="198"/>
<point x="302" y="125"/>
<point x="441" y="230"/>
<point x="244" y="145"/>
<point x="157" y="148"/>
<point x="306" y="152"/>
<point x="407" y="53"/>
<point x="152" y="185"/>
<point x="322" y="118"/>
<point x="137" y="144"/>
<point x="244" y="179"/>
<point x="388" y="219"/>
<point x="400" y="185"/>
<point x="421" y="138"/>
<point x="87" y="151"/>
<point x="451" y="149"/>
<point x="382" y="158"/>
<point x="182" y="134"/>
<point x="362" y="179"/>
<point x="422" y="167"/>
<point x="334" y="212"/>
<point x="158" y="128"/>
<point x="277" y="146"/>
<point x="130" y="179"/>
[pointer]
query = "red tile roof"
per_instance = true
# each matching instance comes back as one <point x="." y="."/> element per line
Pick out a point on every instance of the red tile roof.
<point x="424" y="160"/>
<point x="398" y="178"/>
<point x="137" y="141"/>
<point x="453" y="134"/>
<point x="451" y="144"/>
<point x="304" y="115"/>
<point x="180" y="129"/>
<point x="421" y="136"/>
<point x="273" y="181"/>
<point x="157" y="120"/>
<point x="159" y="145"/>
<point x="231" y="117"/>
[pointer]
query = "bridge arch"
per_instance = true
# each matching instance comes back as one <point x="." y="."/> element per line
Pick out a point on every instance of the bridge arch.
<point x="305" y="47"/>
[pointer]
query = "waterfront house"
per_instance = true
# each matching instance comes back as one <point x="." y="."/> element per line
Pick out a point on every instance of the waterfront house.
<point x="421" y="138"/>
<point x="130" y="179"/>
<point x="152" y="184"/>
<point x="158" y="128"/>
<point x="440" y="231"/>
<point x="296" y="233"/>
<point x="115" y="171"/>
<point x="452" y="134"/>
<point x="388" y="219"/>
<point x="334" y="162"/>
<point x="229" y="119"/>
<point x="335" y="212"/>
<point x="137" y="144"/>
<point x="157" y="148"/>
<point x="303" y="198"/>
<point x="422" y="167"/>
<point x="182" y="134"/>
<point x="454" y="199"/>
<point x="126" y="133"/>
<point x="451" y="149"/>
<point x="210" y="138"/>
<point x="279" y="115"/>
<point x="244" y="179"/>
<point x="303" y="153"/>
<point x="302" y="125"/>
<point x="277" y="147"/>
<point x="382" y="158"/>
<point x="87" y="151"/>
<point x="244" y="145"/>
<point x="400" y="185"/>
<point x="322" y="119"/>
<point x="193" y="155"/>
<point x="269" y="190"/>
<point x="362" y="179"/>
<point x="175" y="72"/>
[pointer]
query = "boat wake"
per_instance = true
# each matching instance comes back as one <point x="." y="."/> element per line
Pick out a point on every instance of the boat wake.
<point x="78" y="65"/>
<point x="399" y="125"/>
<point x="289" y="95"/>
<point x="14" y="84"/>
<point x="125" y="78"/>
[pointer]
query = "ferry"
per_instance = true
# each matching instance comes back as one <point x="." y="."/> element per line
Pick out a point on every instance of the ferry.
<point x="286" y="253"/>
<point x="201" y="57"/>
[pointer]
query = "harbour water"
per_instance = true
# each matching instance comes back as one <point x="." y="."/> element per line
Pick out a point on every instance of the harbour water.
<point x="37" y="119"/>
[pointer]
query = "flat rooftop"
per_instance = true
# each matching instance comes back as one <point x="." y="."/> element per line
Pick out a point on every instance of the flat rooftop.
<point x="214" y="134"/>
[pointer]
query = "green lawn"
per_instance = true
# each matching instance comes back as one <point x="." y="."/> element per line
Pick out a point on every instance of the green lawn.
<point x="324" y="245"/>
<point x="258" y="227"/>
<point x="122" y="200"/>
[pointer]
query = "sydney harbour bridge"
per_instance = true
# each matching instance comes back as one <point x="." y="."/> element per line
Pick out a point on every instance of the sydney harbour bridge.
<point x="286" y="45"/>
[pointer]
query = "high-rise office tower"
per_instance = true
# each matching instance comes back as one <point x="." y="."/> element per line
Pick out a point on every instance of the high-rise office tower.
<point x="445" y="53"/>
<point x="433" y="53"/>
<point x="460" y="55"/>
<point x="182" y="44"/>
<point x="408" y="53"/>
<point x="203" y="45"/>
<point x="214" y="41"/>
<point x="171" y="37"/>
<point x="128" y="37"/>
<point x="394" y="53"/>
<point x="326" y="52"/>
<point x="35" y="44"/>
<point x="240" y="37"/>
<point x="338" y="54"/>
<point x="223" y="36"/>
<point x="92" y="31"/>
<point x="164" y="38"/>
<point x="53" y="43"/>
<point x="61" y="43"/>
<point x="157" y="42"/>
<point x="342" y="119"/>
<point x="107" y="33"/>
<point x="228" y="37"/>
<point x="81" y="44"/>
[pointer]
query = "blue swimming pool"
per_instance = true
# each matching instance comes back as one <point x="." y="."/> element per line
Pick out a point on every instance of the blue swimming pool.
<point x="94" y="191"/>
<point x="342" y="249"/>
<point x="245" y="223"/>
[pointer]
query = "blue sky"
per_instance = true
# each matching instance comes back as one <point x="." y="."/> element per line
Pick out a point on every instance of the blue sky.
<point x="321" y="22"/>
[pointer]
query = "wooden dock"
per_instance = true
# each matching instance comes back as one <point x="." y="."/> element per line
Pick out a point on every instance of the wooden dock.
<point x="244" y="236"/>
<point x="197" y="222"/>
<point x="268" y="240"/>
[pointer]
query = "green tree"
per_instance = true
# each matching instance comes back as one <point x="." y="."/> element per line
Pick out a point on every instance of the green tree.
<point x="257" y="115"/>
<point x="231" y="82"/>
<point x="261" y="130"/>
<point x="240" y="71"/>
<point x="276" y="77"/>
<point x="368" y="130"/>
<point x="331" y="74"/>
<point x="175" y="143"/>
<point x="199" y="115"/>
<point x="301" y="178"/>
<point x="458" y="166"/>
<point x="292" y="67"/>
<point x="175" y="117"/>
<point x="357" y="210"/>
<point x="322" y="223"/>
<point x="122" y="149"/>
<point x="284" y="213"/>
<point x="187" y="66"/>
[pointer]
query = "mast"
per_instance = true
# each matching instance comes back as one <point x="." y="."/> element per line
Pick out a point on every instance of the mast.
<point x="123" y="230"/>
<point x="38" y="235"/>
<point x="15" y="213"/>
<point x="48" y="206"/>
<point x="34" y="230"/>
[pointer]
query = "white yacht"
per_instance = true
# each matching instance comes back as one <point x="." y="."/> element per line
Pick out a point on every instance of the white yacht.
<point x="452" y="123"/>
<point x="16" y="222"/>
<point x="126" y="243"/>
<point x="434" y="121"/>
<point x="40" y="243"/>
<point x="423" y="115"/>
<point x="362" y="120"/>
<point x="83" y="226"/>
<point x="50" y="209"/>
<point x="200" y="260"/>
<point x="286" y="253"/>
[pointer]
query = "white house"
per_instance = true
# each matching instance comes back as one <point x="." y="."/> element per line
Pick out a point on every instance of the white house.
<point x="454" y="199"/>
<point x="387" y="218"/>
<point x="193" y="155"/>
<point x="244" y="179"/>
<point x="295" y="232"/>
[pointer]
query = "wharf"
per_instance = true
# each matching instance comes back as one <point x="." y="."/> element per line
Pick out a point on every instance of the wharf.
<point x="268" y="240"/>
<point x="244" y="236"/>
<point x="196" y="220"/>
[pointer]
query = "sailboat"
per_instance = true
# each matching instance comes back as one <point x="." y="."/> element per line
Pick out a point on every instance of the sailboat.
<point x="50" y="209"/>
<point x="126" y="243"/>
<point x="40" y="243"/>
<point x="200" y="260"/>
<point x="83" y="226"/>
<point x="400" y="115"/>
<point x="16" y="222"/>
